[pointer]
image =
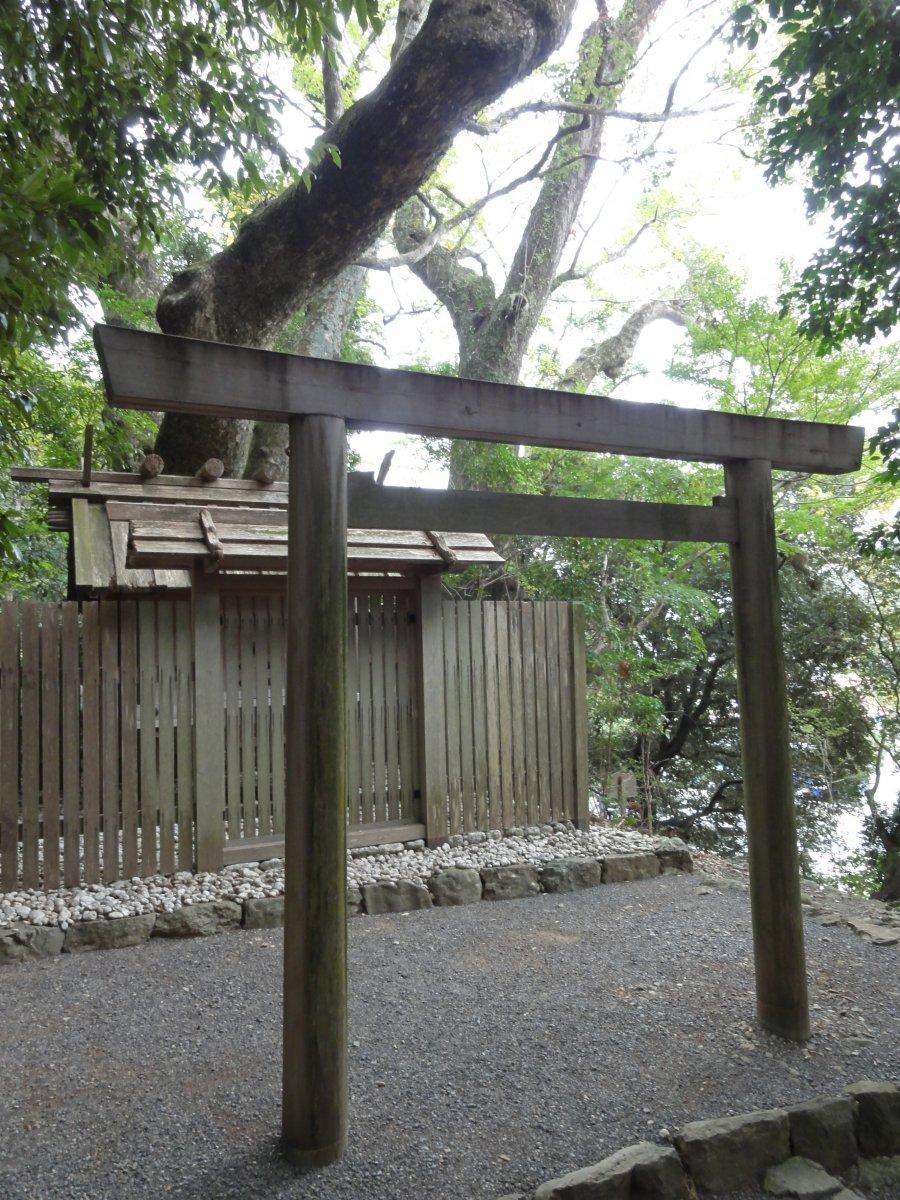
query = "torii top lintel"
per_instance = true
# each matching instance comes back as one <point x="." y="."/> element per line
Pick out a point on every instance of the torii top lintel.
<point x="158" y="371"/>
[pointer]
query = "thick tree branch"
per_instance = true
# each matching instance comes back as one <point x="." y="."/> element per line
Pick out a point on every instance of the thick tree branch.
<point x="466" y="54"/>
<point x="611" y="356"/>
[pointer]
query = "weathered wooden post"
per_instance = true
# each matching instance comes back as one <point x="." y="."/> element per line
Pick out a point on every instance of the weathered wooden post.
<point x="314" y="1088"/>
<point x="781" y="991"/>
<point x="432" y="714"/>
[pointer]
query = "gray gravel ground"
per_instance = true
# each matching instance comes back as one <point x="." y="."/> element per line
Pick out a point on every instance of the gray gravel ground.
<point x="492" y="1047"/>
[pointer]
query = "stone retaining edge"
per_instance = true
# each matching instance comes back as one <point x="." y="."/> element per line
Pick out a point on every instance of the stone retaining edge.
<point x="832" y="1143"/>
<point x="448" y="887"/>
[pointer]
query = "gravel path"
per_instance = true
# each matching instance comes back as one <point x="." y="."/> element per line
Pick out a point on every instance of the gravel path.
<point x="493" y="1047"/>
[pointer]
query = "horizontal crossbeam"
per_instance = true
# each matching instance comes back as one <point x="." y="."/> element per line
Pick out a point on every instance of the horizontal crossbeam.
<point x="382" y="507"/>
<point x="156" y="371"/>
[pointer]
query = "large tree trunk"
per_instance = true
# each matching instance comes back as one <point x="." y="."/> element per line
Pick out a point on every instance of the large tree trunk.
<point x="466" y="54"/>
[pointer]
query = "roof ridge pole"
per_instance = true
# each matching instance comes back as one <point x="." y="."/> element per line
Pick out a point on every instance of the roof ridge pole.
<point x="781" y="987"/>
<point x="314" y="1085"/>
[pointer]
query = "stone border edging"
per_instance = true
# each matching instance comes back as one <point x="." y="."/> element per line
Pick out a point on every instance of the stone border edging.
<point x="448" y="887"/>
<point x="824" y="1146"/>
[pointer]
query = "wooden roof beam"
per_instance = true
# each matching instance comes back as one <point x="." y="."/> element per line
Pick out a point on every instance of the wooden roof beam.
<point x="154" y="371"/>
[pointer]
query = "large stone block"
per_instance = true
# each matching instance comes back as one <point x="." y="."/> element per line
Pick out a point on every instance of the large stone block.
<point x="512" y="882"/>
<point x="674" y="860"/>
<point x="354" y="900"/>
<point x="801" y="1179"/>
<point x="455" y="886"/>
<point x="109" y="935"/>
<point x="395" y="895"/>
<point x="877" y="1117"/>
<point x="22" y="942"/>
<point x="622" y="868"/>
<point x="570" y="874"/>
<point x="641" y="1172"/>
<point x="199" y="920"/>
<point x="264" y="912"/>
<point x="732" y="1152"/>
<point x="823" y="1130"/>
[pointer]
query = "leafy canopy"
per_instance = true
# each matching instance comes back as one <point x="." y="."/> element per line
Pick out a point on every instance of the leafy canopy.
<point x="105" y="105"/>
<point x="830" y="105"/>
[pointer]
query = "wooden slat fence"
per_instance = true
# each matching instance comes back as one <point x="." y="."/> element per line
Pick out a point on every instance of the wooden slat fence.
<point x="96" y="771"/>
<point x="516" y="738"/>
<point x="382" y="768"/>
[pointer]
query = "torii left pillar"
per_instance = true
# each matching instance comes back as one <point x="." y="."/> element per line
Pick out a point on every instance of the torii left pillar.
<point x="314" y="1087"/>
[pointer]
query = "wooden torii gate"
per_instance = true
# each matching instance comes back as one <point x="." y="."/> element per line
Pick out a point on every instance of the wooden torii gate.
<point x="319" y="399"/>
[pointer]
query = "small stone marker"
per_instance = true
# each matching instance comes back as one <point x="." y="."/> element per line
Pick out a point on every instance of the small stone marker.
<point x="802" y="1179"/>
<point x="623" y="868"/>
<point x="641" y="1170"/>
<point x="571" y="874"/>
<point x="455" y="886"/>
<point x="108" y="935"/>
<point x="395" y="895"/>
<point x="732" y="1152"/>
<point x="199" y="920"/>
<point x="512" y="882"/>
<point x="823" y="1130"/>
<point x="264" y="912"/>
<point x="878" y="1117"/>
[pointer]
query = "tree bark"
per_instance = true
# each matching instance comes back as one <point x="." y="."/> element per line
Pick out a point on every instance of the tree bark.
<point x="466" y="54"/>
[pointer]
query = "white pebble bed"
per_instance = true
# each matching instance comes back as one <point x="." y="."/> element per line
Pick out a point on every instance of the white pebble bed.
<point x="165" y="893"/>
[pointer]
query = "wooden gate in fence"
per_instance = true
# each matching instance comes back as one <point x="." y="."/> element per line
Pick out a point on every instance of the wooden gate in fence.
<point x="461" y="716"/>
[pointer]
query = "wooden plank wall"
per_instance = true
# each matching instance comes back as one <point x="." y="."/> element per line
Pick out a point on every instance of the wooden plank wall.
<point x="95" y="741"/>
<point x="96" y="746"/>
<point x="383" y="774"/>
<point x="514" y="724"/>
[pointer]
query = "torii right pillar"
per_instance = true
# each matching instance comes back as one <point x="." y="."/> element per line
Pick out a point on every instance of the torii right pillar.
<point x="781" y="990"/>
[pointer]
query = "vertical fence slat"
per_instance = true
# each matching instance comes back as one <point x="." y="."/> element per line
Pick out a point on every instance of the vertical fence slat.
<point x="231" y="655"/>
<point x="492" y="714"/>
<point x="364" y="642"/>
<point x="166" y="642"/>
<point x="520" y="816"/>
<point x="529" y="717"/>
<point x="9" y="745"/>
<point x="248" y="694"/>
<point x="479" y="717"/>
<point x="90" y="742"/>
<point x="128" y="684"/>
<point x="466" y="732"/>
<point x="109" y="736"/>
<point x="451" y="703"/>
<point x="582" y="817"/>
<point x="30" y="696"/>
<point x="263" y="727"/>
<point x="71" y="743"/>
<point x="504" y="705"/>
<point x="392" y="652"/>
<point x="353" y="718"/>
<point x="379" y="768"/>
<point x="184" y="737"/>
<point x="279" y="661"/>
<point x="48" y="734"/>
<point x="407" y="743"/>
<point x="542" y="738"/>
<point x="149" y="773"/>
<point x="554" y="714"/>
<point x="564" y="614"/>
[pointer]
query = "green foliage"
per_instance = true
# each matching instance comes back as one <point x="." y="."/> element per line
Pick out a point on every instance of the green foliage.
<point x="662" y="692"/>
<point x="830" y="105"/>
<point x="44" y="408"/>
<point x="104" y="107"/>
